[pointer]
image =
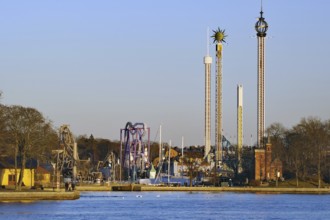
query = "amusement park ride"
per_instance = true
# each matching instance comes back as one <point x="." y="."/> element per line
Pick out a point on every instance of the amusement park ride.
<point x="134" y="160"/>
<point x="65" y="159"/>
<point x="67" y="165"/>
<point x="135" y="151"/>
<point x="135" y="155"/>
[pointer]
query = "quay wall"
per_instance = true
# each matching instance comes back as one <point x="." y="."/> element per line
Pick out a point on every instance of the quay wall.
<point x="242" y="189"/>
<point x="145" y="188"/>
<point x="44" y="195"/>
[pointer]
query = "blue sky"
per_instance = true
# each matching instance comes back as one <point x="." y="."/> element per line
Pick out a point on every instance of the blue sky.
<point x="97" y="64"/>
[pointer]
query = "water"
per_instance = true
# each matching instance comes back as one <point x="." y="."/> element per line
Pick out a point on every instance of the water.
<point x="173" y="205"/>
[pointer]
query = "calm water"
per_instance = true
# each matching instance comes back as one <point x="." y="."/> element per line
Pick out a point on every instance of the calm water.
<point x="173" y="205"/>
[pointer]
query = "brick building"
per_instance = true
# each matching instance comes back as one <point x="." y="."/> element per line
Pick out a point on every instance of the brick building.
<point x="266" y="167"/>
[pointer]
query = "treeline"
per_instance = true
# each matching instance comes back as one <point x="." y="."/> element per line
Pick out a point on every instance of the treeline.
<point x="303" y="149"/>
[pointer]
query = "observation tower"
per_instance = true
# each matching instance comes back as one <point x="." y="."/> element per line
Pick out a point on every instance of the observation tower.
<point x="207" y="63"/>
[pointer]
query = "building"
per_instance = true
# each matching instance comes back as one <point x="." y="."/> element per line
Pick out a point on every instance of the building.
<point x="7" y="172"/>
<point x="267" y="168"/>
<point x="43" y="176"/>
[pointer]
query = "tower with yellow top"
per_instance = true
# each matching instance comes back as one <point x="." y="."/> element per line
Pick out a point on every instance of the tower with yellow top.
<point x="218" y="38"/>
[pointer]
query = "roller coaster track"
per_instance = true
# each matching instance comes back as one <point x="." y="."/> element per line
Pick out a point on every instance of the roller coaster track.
<point x="65" y="157"/>
<point x="135" y="157"/>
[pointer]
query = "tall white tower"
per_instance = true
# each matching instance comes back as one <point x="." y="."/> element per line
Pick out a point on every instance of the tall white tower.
<point x="239" y="125"/>
<point x="261" y="27"/>
<point x="207" y="62"/>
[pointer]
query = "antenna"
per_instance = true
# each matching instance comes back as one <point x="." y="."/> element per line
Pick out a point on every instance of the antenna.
<point x="208" y="41"/>
<point x="261" y="5"/>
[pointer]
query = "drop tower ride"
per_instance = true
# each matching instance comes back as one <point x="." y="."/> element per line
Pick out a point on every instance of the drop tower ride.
<point x="261" y="27"/>
<point x="218" y="38"/>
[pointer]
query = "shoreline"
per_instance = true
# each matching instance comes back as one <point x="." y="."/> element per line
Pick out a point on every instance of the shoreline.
<point x="148" y="188"/>
<point x="265" y="190"/>
<point x="14" y="196"/>
<point x="49" y="194"/>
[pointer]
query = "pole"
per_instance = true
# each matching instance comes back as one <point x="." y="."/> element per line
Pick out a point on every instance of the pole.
<point x="58" y="177"/>
<point x="182" y="146"/>
<point x="160" y="163"/>
<point x="160" y="148"/>
<point x="75" y="161"/>
<point x="169" y="163"/>
<point x="54" y="177"/>
<point x="121" y="156"/>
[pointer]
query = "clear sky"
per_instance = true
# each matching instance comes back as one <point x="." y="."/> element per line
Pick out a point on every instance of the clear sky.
<point x="97" y="64"/>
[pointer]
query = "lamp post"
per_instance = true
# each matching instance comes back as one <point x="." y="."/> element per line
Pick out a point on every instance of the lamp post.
<point x="169" y="163"/>
<point x="53" y="165"/>
<point x="182" y="146"/>
<point x="277" y="175"/>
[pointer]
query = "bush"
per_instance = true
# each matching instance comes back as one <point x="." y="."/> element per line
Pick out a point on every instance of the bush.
<point x="254" y="183"/>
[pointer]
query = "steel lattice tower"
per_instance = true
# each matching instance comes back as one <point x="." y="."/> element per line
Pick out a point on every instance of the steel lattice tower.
<point x="261" y="27"/>
<point x="218" y="38"/>
<point x="218" y="103"/>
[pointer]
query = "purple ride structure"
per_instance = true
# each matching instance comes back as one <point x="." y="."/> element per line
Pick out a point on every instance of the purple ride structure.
<point x="135" y="151"/>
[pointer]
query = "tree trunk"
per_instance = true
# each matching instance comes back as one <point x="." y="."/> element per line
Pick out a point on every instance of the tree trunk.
<point x="297" y="178"/>
<point x="16" y="148"/>
<point x="304" y="173"/>
<point x="190" y="177"/>
<point x="319" y="169"/>
<point x="296" y="165"/>
<point x="22" y="168"/>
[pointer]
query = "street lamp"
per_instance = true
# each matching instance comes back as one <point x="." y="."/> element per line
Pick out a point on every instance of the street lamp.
<point x="53" y="165"/>
<point x="277" y="174"/>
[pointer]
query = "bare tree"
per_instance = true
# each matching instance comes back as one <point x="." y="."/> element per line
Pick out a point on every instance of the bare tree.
<point x="277" y="133"/>
<point x="3" y="149"/>
<point x="295" y="151"/>
<point x="192" y="168"/>
<point x="315" y="134"/>
<point x="30" y="134"/>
